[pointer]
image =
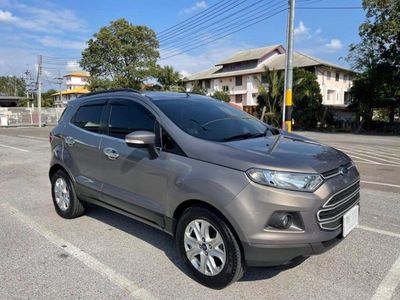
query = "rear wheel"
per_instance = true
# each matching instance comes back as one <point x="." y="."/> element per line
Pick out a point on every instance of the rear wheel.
<point x="209" y="248"/>
<point x="66" y="203"/>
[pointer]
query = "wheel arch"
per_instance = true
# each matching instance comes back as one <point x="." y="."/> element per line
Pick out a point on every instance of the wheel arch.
<point x="200" y="203"/>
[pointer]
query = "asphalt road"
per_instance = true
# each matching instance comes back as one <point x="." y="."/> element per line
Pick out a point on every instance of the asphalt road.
<point x="104" y="255"/>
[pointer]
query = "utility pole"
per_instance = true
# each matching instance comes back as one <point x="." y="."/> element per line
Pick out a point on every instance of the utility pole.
<point x="288" y="98"/>
<point x="59" y="81"/>
<point x="39" y="90"/>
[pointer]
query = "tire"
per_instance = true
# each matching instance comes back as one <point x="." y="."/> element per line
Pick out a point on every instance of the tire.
<point x="228" y="267"/>
<point x="61" y="185"/>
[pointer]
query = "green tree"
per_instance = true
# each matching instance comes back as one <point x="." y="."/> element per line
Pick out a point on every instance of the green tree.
<point x="307" y="99"/>
<point x="198" y="89"/>
<point x="376" y="57"/>
<point x="47" y="99"/>
<point x="270" y="89"/>
<point x="221" y="95"/>
<point x="168" y="77"/>
<point x="12" y="86"/>
<point x="120" y="55"/>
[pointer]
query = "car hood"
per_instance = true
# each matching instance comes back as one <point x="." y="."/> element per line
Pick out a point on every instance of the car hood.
<point x="284" y="152"/>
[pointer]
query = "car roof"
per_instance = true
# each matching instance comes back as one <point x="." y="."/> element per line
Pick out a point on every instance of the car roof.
<point x="151" y="95"/>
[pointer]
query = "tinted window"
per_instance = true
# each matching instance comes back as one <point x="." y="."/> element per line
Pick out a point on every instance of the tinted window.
<point x="211" y="119"/>
<point x="129" y="117"/>
<point x="88" y="117"/>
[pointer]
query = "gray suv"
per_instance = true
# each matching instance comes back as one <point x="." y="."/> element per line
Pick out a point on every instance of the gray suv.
<point x="233" y="191"/>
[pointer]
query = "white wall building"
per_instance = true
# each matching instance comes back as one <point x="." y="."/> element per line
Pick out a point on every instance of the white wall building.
<point x="76" y="85"/>
<point x="240" y="75"/>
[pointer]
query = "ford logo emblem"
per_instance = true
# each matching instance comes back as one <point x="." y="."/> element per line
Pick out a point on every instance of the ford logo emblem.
<point x="343" y="171"/>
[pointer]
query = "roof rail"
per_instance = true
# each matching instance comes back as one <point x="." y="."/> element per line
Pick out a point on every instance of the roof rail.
<point x="110" y="91"/>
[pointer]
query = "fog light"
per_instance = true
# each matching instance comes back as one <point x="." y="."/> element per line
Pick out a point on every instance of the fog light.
<point x="281" y="220"/>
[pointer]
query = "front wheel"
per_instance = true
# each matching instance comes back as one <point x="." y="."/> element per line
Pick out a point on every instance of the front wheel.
<point x="66" y="203"/>
<point x="209" y="248"/>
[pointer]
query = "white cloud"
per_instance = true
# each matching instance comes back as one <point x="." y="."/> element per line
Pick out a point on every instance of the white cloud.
<point x="197" y="6"/>
<point x="302" y="32"/>
<point x="50" y="20"/>
<point x="6" y="16"/>
<point x="333" y="46"/>
<point x="50" y="41"/>
<point x="73" y="65"/>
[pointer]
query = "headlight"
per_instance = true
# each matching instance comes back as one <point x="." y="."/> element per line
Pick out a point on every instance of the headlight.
<point x="286" y="180"/>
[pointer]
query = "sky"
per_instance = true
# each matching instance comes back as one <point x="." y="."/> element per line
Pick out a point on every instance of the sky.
<point x="60" y="29"/>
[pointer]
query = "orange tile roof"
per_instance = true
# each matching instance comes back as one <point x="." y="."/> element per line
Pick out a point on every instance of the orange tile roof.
<point x="77" y="74"/>
<point x="78" y="90"/>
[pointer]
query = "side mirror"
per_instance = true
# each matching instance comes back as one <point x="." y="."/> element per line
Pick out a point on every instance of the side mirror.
<point x="140" y="138"/>
<point x="143" y="139"/>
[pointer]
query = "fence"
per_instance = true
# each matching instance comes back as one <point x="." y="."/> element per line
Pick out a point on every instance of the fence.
<point x="21" y="116"/>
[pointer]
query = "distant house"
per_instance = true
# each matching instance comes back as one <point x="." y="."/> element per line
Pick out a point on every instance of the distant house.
<point x="76" y="85"/>
<point x="240" y="75"/>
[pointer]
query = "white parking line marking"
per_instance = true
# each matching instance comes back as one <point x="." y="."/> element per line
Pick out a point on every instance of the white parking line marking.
<point x="388" y="285"/>
<point x="373" y="163"/>
<point x="15" y="148"/>
<point x="33" y="137"/>
<point x="368" y="156"/>
<point x="379" y="151"/>
<point x="121" y="281"/>
<point x="380" y="231"/>
<point x="374" y="154"/>
<point x="357" y="157"/>
<point x="380" y="183"/>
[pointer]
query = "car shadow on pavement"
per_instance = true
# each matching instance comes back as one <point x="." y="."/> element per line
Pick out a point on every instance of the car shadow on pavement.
<point x="166" y="243"/>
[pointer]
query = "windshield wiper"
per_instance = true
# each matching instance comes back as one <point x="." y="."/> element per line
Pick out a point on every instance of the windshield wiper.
<point x="273" y="131"/>
<point x="243" y="136"/>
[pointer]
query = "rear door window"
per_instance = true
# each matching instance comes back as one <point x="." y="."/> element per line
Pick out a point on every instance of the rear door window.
<point x="88" y="117"/>
<point x="127" y="117"/>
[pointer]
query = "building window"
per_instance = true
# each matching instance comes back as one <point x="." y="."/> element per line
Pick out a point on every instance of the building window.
<point x="337" y="76"/>
<point x="347" y="98"/>
<point x="238" y="98"/>
<point x="345" y="77"/>
<point x="207" y="83"/>
<point x="264" y="78"/>
<point x="225" y="88"/>
<point x="328" y="75"/>
<point x="238" y="80"/>
<point x="331" y="96"/>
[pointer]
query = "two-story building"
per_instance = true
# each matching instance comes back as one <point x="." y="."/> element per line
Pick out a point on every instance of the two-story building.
<point x="76" y="85"/>
<point x="240" y="76"/>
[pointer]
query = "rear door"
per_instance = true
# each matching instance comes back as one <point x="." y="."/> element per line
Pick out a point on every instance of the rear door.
<point x="132" y="181"/>
<point x="82" y="138"/>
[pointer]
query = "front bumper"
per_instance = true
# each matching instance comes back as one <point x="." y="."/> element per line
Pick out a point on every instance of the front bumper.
<point x="262" y="255"/>
<point x="265" y="246"/>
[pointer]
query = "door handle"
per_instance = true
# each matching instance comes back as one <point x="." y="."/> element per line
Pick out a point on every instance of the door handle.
<point x="70" y="141"/>
<point x="111" y="153"/>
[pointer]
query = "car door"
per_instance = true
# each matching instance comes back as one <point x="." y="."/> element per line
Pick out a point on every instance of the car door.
<point x="132" y="180"/>
<point x="82" y="138"/>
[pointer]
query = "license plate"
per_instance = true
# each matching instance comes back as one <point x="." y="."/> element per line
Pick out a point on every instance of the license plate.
<point x="350" y="220"/>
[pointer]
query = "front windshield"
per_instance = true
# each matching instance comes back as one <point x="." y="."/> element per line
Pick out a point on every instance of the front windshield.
<point x="211" y="119"/>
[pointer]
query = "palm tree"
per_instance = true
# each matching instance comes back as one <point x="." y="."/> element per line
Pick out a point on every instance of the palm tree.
<point x="270" y="89"/>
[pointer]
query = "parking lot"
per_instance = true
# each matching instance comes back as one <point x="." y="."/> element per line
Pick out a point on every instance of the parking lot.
<point x="104" y="255"/>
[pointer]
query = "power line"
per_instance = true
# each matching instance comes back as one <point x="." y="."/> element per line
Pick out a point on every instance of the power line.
<point x="193" y="17"/>
<point x="203" y="44"/>
<point x="231" y="29"/>
<point x="221" y="33"/>
<point x="227" y="27"/>
<point x="330" y="7"/>
<point x="203" y="19"/>
<point x="225" y="18"/>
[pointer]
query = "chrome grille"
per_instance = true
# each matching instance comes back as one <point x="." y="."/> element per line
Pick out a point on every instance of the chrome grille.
<point x="331" y="213"/>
